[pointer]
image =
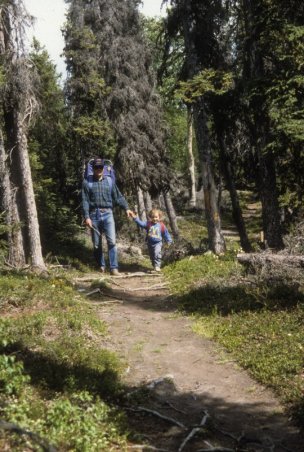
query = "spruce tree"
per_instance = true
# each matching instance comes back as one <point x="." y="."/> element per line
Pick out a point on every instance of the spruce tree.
<point x="18" y="106"/>
<point x="130" y="101"/>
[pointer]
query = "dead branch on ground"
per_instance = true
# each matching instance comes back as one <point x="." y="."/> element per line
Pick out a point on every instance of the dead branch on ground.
<point x="161" y="416"/>
<point x="147" y="447"/>
<point x="154" y="287"/>
<point x="194" y="431"/>
<point x="260" y="259"/>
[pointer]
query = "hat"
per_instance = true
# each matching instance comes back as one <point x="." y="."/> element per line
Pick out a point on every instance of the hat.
<point x="98" y="163"/>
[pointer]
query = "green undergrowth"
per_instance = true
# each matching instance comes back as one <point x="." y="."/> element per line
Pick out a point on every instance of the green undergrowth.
<point x="57" y="378"/>
<point x="259" y="321"/>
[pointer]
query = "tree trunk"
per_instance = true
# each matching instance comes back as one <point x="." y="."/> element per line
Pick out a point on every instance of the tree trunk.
<point x="161" y="201"/>
<point x="17" y="109"/>
<point x="270" y="206"/>
<point x="16" y="256"/>
<point x="22" y="156"/>
<point x="258" y="118"/>
<point x="215" y="237"/>
<point x="192" y="201"/>
<point x="171" y="214"/>
<point x="237" y="214"/>
<point x="194" y="65"/>
<point x="141" y="205"/>
<point x="147" y="201"/>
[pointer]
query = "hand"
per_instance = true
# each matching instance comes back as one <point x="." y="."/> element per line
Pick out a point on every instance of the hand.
<point x="130" y="214"/>
<point x="88" y="222"/>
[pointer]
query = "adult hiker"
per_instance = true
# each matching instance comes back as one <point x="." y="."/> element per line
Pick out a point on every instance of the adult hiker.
<point x="99" y="196"/>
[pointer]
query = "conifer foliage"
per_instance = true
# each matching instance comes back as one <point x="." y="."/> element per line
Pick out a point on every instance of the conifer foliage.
<point x="129" y="102"/>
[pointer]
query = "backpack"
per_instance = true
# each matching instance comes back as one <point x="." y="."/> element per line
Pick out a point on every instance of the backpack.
<point x="108" y="171"/>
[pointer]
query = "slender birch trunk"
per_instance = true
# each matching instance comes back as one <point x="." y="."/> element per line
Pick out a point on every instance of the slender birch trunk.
<point x="192" y="201"/>
<point x="141" y="205"/>
<point x="147" y="201"/>
<point x="34" y="243"/>
<point x="215" y="237"/>
<point x="171" y="214"/>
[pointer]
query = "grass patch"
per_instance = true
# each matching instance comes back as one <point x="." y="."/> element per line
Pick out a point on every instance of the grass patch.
<point x="186" y="273"/>
<point x="260" y="322"/>
<point x="193" y="229"/>
<point x="56" y="377"/>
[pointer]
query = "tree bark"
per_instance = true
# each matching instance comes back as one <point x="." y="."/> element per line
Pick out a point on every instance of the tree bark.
<point x="22" y="156"/>
<point x="16" y="112"/>
<point x="141" y="205"/>
<point x="171" y="214"/>
<point x="16" y="255"/>
<point x="270" y="206"/>
<point x="216" y="239"/>
<point x="237" y="214"/>
<point x="192" y="201"/>
<point x="258" y="118"/>
<point x="194" y="65"/>
<point x="260" y="259"/>
<point x="147" y="201"/>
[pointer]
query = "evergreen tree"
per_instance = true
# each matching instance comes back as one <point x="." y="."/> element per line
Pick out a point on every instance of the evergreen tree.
<point x="51" y="156"/>
<point x="130" y="101"/>
<point x="199" y="24"/>
<point x="106" y="37"/>
<point x="18" y="103"/>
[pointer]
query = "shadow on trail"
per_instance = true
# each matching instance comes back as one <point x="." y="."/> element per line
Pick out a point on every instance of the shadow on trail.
<point x="208" y="299"/>
<point x="241" y="427"/>
<point x="163" y="417"/>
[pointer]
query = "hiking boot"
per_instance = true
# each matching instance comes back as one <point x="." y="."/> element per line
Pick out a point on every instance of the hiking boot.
<point x="102" y="270"/>
<point x="114" y="272"/>
<point x="157" y="269"/>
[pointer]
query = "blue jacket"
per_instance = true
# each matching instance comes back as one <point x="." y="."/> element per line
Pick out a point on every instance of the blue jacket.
<point x="155" y="232"/>
<point x="101" y="194"/>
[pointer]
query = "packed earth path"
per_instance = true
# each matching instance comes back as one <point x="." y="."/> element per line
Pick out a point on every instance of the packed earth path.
<point x="183" y="393"/>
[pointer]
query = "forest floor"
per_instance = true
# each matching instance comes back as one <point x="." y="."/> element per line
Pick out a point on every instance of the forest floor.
<point x="178" y="383"/>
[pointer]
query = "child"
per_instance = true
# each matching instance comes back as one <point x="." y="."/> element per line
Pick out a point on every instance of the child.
<point x="156" y="232"/>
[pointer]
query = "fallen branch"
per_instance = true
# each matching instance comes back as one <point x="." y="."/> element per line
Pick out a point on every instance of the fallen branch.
<point x="154" y="287"/>
<point x="15" y="267"/>
<point x="161" y="416"/>
<point x="147" y="447"/>
<point x="93" y="292"/>
<point x="90" y="279"/>
<point x="175" y="409"/>
<point x="216" y="449"/>
<point x="194" y="431"/>
<point x="268" y="258"/>
<point x="138" y="274"/>
<point x="111" y="302"/>
<point x="107" y="295"/>
<point x="60" y="266"/>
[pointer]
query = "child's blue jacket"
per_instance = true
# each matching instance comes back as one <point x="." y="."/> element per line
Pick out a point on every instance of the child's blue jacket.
<point x="155" y="232"/>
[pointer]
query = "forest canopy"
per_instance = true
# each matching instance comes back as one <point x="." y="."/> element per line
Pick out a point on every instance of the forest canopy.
<point x="210" y="96"/>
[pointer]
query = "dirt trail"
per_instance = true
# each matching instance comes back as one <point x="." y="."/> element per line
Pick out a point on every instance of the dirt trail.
<point x="185" y="378"/>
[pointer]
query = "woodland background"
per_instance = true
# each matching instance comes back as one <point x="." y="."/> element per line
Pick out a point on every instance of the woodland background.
<point x="209" y="97"/>
<point x="202" y="114"/>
